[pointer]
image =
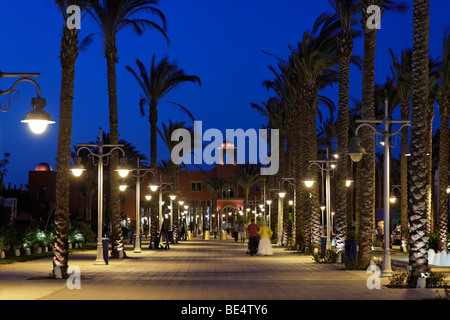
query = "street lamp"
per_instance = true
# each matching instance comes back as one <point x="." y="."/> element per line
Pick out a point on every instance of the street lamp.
<point x="172" y="197"/>
<point x="138" y="173"/>
<point x="322" y="208"/>
<point x="77" y="169"/>
<point x="281" y="195"/>
<point x="37" y="118"/>
<point x="356" y="151"/>
<point x="161" y="187"/>
<point x="326" y="166"/>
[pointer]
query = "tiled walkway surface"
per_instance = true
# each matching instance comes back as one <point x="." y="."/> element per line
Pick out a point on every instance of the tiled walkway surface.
<point x="198" y="270"/>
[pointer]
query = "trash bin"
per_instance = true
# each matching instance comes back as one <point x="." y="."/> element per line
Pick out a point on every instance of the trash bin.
<point x="350" y="250"/>
<point x="323" y="245"/>
<point x="105" y="244"/>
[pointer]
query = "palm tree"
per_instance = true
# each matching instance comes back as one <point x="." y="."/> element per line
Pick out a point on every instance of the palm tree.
<point x="418" y="169"/>
<point x="112" y="16"/>
<point x="444" y="109"/>
<point x="367" y="164"/>
<point x="68" y="57"/>
<point x="345" y="10"/>
<point x="434" y="66"/>
<point x="155" y="84"/>
<point x="314" y="62"/>
<point x="247" y="175"/>
<point x="401" y="72"/>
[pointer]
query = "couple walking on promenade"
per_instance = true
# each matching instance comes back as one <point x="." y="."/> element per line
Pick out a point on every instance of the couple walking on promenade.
<point x="259" y="239"/>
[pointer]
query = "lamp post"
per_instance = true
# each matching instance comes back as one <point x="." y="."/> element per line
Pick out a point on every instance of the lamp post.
<point x="37" y="118"/>
<point x="356" y="151"/>
<point x="269" y="202"/>
<point x="139" y="175"/>
<point x="172" y="197"/>
<point x="322" y="208"/>
<point x="77" y="170"/>
<point x="291" y="182"/>
<point x="327" y="166"/>
<point x="281" y="196"/>
<point x="161" y="187"/>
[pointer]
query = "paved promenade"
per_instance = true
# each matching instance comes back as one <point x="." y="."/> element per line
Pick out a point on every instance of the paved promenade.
<point x="198" y="270"/>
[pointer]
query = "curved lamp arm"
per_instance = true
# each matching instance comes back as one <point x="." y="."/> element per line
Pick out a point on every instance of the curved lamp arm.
<point x="367" y="125"/>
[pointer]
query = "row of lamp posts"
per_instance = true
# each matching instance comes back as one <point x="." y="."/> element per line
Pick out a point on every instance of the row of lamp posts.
<point x="38" y="119"/>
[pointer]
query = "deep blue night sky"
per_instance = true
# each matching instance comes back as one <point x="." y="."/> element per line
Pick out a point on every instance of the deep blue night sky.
<point x="220" y="41"/>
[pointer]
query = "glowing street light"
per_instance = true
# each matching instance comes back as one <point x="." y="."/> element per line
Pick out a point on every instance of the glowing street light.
<point x="356" y="151"/>
<point x="77" y="169"/>
<point x="37" y="119"/>
<point x="326" y="166"/>
<point x="138" y="173"/>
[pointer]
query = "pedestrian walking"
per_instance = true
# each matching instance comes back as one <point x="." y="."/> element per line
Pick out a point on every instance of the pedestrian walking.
<point x="215" y="231"/>
<point x="242" y="232"/>
<point x="265" y="246"/>
<point x="253" y="237"/>
<point x="236" y="231"/>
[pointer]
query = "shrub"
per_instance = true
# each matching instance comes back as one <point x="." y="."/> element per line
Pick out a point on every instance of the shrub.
<point x="76" y="236"/>
<point x="433" y="241"/>
<point x="433" y="280"/>
<point x="37" y="238"/>
<point x="84" y="229"/>
<point x="329" y="257"/>
<point x="436" y="280"/>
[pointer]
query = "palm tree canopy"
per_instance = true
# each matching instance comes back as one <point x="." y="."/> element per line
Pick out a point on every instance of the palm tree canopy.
<point x="247" y="175"/>
<point x="214" y="185"/>
<point x="158" y="81"/>
<point x="114" y="15"/>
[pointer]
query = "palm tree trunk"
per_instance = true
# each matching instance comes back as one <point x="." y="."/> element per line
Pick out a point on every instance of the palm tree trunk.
<point x="175" y="169"/>
<point x="298" y="170"/>
<point x="116" y="234"/>
<point x="367" y="163"/>
<point x="404" y="179"/>
<point x="69" y="54"/>
<point x="443" y="172"/>
<point x="303" y="193"/>
<point x="430" y="167"/>
<point x="418" y="186"/>
<point x="153" y="119"/>
<point x="314" y="191"/>
<point x="345" y="45"/>
<point x="357" y="201"/>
